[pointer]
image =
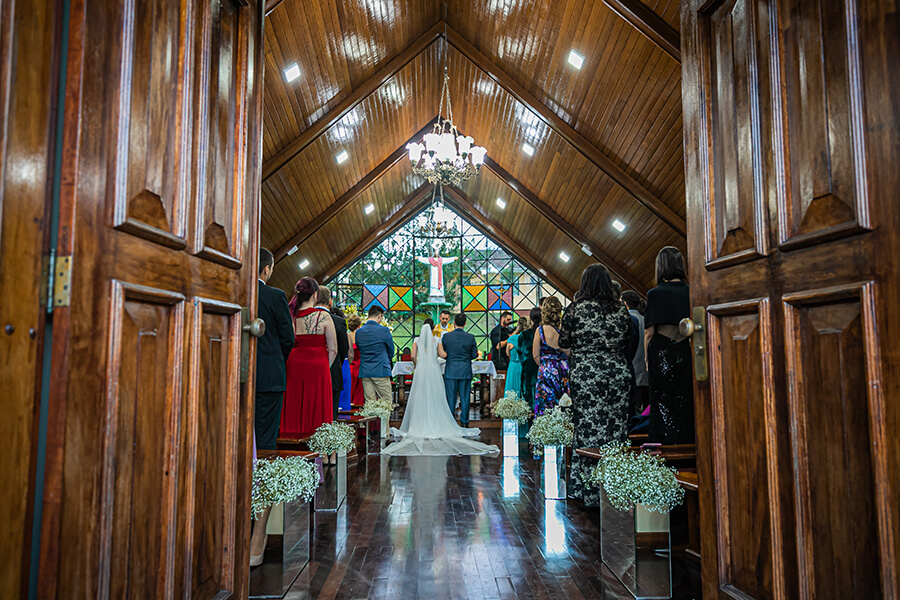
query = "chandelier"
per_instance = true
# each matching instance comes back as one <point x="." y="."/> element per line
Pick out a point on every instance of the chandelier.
<point x="446" y="157"/>
<point x="432" y="228"/>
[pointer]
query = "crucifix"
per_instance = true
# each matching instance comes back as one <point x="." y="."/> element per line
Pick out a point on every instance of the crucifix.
<point x="436" y="287"/>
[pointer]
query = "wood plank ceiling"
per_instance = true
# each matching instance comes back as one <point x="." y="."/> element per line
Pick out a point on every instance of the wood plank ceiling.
<point x="607" y="137"/>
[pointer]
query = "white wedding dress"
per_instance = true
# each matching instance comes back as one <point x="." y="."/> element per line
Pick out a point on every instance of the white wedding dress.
<point x="428" y="427"/>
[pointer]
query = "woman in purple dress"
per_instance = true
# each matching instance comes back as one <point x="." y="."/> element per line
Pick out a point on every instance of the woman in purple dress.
<point x="553" y="372"/>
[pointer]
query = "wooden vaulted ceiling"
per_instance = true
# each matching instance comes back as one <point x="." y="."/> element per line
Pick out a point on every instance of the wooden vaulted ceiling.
<point x="608" y="137"/>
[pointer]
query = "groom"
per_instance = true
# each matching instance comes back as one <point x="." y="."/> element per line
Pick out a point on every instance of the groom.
<point x="459" y="348"/>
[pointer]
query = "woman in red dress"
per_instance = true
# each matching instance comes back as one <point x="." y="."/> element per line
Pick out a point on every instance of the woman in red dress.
<point x="356" y="395"/>
<point x="307" y="400"/>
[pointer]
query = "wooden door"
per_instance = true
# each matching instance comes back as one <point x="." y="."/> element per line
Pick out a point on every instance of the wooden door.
<point x="792" y="138"/>
<point x="149" y="444"/>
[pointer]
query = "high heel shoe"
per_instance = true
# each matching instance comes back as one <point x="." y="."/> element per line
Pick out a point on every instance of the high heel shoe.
<point x="257" y="559"/>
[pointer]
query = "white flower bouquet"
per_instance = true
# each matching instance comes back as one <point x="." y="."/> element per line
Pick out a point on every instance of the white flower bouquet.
<point x="380" y="408"/>
<point x="282" y="480"/>
<point x="553" y="428"/>
<point x="332" y="437"/>
<point x="510" y="406"/>
<point x="631" y="478"/>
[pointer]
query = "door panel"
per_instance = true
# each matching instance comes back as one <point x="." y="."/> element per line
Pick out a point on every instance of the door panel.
<point x="149" y="494"/>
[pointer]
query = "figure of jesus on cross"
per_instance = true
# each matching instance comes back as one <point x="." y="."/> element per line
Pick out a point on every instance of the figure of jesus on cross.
<point x="436" y="289"/>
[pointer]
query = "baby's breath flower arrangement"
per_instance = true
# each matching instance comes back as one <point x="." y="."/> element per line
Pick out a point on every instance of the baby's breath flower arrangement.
<point x="631" y="478"/>
<point x="553" y="428"/>
<point x="510" y="406"/>
<point x="332" y="437"/>
<point x="282" y="480"/>
<point x="379" y="407"/>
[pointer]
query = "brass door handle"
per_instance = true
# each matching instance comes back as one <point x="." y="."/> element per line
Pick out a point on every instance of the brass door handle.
<point x="694" y="329"/>
<point x="256" y="327"/>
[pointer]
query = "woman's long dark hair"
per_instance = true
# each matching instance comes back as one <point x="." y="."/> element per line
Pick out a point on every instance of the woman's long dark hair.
<point x="596" y="285"/>
<point x="535" y="317"/>
<point x="305" y="289"/>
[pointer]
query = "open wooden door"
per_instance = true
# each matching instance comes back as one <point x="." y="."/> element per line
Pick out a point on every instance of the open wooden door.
<point x="792" y="146"/>
<point x="149" y="445"/>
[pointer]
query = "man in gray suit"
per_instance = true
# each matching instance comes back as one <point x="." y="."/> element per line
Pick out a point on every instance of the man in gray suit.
<point x="460" y="349"/>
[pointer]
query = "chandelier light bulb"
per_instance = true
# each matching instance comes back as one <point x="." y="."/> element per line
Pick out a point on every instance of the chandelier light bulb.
<point x="415" y="151"/>
<point x="478" y="156"/>
<point x="432" y="140"/>
<point x="464" y="143"/>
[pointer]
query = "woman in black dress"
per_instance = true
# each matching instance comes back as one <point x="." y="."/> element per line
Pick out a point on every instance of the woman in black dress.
<point x="595" y="327"/>
<point x="529" y="367"/>
<point x="669" y="353"/>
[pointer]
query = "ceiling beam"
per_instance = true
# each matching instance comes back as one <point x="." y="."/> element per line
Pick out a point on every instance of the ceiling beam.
<point x="309" y="135"/>
<point x="619" y="271"/>
<point x="272" y="5"/>
<point x="578" y="141"/>
<point x="458" y="200"/>
<point x="409" y="208"/>
<point x="650" y="24"/>
<point x="350" y="195"/>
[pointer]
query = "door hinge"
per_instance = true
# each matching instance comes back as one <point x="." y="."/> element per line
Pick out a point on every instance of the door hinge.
<point x="58" y="278"/>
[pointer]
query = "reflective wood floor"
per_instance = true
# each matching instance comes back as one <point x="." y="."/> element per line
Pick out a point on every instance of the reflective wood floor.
<point x="454" y="527"/>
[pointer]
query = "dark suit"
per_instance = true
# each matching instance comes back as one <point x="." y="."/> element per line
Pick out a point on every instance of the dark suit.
<point x="337" y="367"/>
<point x="461" y="350"/>
<point x="272" y="351"/>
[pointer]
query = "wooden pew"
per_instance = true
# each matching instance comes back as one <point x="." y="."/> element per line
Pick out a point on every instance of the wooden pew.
<point x="691" y="484"/>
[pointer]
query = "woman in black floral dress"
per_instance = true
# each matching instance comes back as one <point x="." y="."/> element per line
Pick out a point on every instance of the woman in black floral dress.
<point x="595" y="328"/>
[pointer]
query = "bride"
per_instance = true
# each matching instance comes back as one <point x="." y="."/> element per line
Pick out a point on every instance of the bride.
<point x="428" y="426"/>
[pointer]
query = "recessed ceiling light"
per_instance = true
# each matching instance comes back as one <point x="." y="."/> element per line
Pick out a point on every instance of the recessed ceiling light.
<point x="370" y="208"/>
<point x="564" y="257"/>
<point x="586" y="250"/>
<point x="618" y="225"/>
<point x="575" y="59"/>
<point x="292" y="250"/>
<point x="342" y="157"/>
<point x="528" y="149"/>
<point x="292" y="72"/>
<point x="304" y="263"/>
<point x="501" y="202"/>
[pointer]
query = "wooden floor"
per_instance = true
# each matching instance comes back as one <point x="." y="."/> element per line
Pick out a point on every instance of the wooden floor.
<point x="454" y="527"/>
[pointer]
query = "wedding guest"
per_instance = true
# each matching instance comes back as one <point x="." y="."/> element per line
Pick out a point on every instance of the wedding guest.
<point x="641" y="394"/>
<point x="326" y="303"/>
<point x="460" y="349"/>
<point x="553" y="361"/>
<point x="308" y="400"/>
<point x="633" y="339"/>
<point x="376" y="346"/>
<point x="272" y="351"/>
<point x="499" y="337"/>
<point x="529" y="365"/>
<point x="595" y="327"/>
<point x="356" y="394"/>
<point x="669" y="353"/>
<point x="514" y="370"/>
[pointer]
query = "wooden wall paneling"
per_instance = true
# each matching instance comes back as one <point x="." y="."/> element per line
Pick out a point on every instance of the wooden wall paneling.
<point x="350" y="195"/>
<point x="732" y="156"/>
<point x="291" y="148"/>
<point x="745" y="449"/>
<point x="648" y="23"/>
<point x="566" y="131"/>
<point x="29" y="74"/>
<point x="142" y="401"/>
<point x="821" y="158"/>
<point x="149" y="197"/>
<point x="839" y="443"/>
<point x="221" y="114"/>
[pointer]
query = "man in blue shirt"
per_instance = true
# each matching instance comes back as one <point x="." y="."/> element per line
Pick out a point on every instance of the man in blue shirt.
<point x="460" y="349"/>
<point x="375" y="346"/>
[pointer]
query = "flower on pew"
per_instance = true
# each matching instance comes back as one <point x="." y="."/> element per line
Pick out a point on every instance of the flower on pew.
<point x="332" y="437"/>
<point x="379" y="407"/>
<point x="553" y="428"/>
<point x="631" y="478"/>
<point x="282" y="480"/>
<point x="511" y="406"/>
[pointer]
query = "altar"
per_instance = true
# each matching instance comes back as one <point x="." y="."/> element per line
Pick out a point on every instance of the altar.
<point x="484" y="370"/>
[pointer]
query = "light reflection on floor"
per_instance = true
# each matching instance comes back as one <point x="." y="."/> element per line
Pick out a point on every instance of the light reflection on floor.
<point x="554" y="529"/>
<point x="510" y="475"/>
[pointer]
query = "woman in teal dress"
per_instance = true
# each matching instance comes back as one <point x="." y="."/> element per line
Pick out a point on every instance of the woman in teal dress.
<point x="514" y="370"/>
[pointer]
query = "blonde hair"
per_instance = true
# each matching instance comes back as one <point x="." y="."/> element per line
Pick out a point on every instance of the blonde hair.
<point x="524" y="324"/>
<point x="353" y="322"/>
<point x="551" y="312"/>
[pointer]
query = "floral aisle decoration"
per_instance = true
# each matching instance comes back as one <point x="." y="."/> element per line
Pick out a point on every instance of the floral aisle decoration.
<point x="332" y="437"/>
<point x="379" y="408"/>
<point x="512" y="407"/>
<point x="282" y="480"/>
<point x="636" y="478"/>
<point x="553" y="428"/>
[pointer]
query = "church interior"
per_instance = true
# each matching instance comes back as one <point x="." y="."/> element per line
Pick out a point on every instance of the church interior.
<point x="184" y="183"/>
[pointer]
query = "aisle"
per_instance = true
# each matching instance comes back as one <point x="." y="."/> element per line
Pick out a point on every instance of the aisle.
<point x="454" y="527"/>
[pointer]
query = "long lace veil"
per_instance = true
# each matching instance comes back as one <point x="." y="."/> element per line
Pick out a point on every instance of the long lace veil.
<point x="426" y="342"/>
